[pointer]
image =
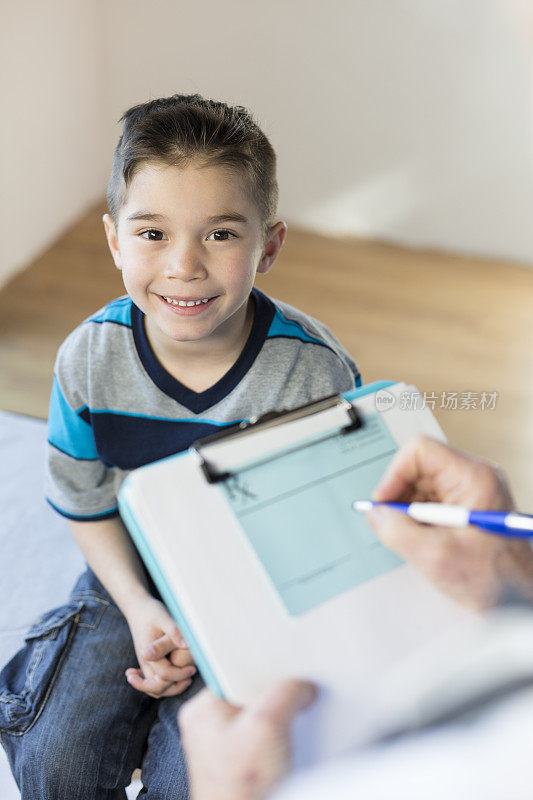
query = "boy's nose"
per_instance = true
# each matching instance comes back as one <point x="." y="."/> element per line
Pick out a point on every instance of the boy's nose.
<point x="185" y="264"/>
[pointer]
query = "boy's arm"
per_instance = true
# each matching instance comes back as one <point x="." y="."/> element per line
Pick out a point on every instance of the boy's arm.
<point x="111" y="555"/>
<point x="113" y="558"/>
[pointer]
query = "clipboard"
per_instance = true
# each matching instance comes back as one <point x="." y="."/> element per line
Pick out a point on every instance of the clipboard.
<point x="252" y="543"/>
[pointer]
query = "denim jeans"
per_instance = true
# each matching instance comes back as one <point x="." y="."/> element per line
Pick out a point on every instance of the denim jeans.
<point x="72" y="726"/>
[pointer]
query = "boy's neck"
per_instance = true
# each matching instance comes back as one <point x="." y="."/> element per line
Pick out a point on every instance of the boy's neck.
<point x="200" y="364"/>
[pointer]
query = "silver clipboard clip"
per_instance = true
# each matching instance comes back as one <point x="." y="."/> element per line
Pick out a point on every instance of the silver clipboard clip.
<point x="350" y="420"/>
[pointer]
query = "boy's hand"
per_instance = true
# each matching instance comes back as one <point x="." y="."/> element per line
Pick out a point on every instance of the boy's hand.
<point x="165" y="667"/>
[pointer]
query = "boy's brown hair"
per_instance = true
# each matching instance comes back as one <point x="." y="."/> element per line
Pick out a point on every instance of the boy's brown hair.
<point x="178" y="129"/>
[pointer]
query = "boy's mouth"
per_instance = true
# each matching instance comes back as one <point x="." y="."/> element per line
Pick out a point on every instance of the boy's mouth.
<point x="187" y="306"/>
<point x="184" y="302"/>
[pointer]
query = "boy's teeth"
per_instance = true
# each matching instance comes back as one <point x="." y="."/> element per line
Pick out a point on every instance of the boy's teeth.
<point x="187" y="303"/>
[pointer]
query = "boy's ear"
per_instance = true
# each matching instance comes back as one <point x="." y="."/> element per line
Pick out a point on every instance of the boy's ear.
<point x="274" y="241"/>
<point x="112" y="240"/>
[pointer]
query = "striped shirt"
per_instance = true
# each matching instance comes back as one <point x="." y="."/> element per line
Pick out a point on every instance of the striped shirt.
<point x="114" y="407"/>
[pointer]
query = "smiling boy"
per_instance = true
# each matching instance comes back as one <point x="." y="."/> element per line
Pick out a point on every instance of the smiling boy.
<point x="192" y="347"/>
<point x="191" y="269"/>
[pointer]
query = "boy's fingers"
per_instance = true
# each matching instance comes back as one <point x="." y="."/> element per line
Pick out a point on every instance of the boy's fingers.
<point x="167" y="672"/>
<point x="152" y="686"/>
<point x="181" y="658"/>
<point x="174" y="635"/>
<point x="156" y="686"/>
<point x="157" y="649"/>
<point x="162" y="647"/>
<point x="176" y="688"/>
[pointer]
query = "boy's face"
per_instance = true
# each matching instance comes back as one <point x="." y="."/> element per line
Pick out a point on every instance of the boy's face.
<point x="189" y="243"/>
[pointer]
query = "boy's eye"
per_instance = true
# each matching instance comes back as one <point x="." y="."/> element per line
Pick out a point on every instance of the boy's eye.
<point x="220" y="236"/>
<point x="153" y="235"/>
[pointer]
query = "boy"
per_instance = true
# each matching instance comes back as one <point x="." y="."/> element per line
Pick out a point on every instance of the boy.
<point x="192" y="198"/>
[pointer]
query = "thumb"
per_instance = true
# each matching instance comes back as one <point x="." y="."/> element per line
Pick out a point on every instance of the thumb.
<point x="173" y="633"/>
<point x="283" y="701"/>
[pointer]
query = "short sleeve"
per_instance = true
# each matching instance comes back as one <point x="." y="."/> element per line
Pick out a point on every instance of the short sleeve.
<point x="78" y="484"/>
<point x="322" y="365"/>
<point x="349" y="366"/>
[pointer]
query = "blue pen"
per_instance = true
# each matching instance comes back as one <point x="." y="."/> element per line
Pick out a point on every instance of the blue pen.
<point x="507" y="523"/>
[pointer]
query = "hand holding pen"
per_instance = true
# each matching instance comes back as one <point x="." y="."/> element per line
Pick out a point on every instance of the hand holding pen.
<point x="473" y="569"/>
<point x="505" y="523"/>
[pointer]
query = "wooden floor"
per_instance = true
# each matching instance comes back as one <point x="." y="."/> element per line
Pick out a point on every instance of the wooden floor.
<point x="447" y="324"/>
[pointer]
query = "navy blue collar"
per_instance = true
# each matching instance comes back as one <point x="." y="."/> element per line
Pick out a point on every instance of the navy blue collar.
<point x="199" y="401"/>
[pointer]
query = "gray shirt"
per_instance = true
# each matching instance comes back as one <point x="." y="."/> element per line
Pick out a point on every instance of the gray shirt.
<point x="114" y="407"/>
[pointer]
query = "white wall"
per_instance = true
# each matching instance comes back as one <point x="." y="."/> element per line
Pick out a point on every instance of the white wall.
<point x="406" y="120"/>
<point x="52" y="143"/>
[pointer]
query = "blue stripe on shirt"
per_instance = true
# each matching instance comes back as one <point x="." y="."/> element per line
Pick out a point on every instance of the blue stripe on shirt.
<point x="67" y="431"/>
<point x="118" y="311"/>
<point x="121" y="439"/>
<point x="112" y="512"/>
<point x="290" y="329"/>
<point x="187" y="420"/>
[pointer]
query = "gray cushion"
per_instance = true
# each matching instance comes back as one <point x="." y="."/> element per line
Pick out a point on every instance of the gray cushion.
<point x="39" y="558"/>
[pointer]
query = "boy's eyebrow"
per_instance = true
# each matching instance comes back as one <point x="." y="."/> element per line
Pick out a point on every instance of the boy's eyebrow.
<point x="149" y="216"/>
<point x="230" y="216"/>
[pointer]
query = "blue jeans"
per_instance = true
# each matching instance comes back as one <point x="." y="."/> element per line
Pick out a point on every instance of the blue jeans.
<point x="72" y="726"/>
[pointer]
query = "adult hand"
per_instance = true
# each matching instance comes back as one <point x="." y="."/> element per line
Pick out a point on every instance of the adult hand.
<point x="165" y="667"/>
<point x="470" y="565"/>
<point x="239" y="754"/>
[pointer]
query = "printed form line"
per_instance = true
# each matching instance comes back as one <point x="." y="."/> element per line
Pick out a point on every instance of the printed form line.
<point x="317" y="482"/>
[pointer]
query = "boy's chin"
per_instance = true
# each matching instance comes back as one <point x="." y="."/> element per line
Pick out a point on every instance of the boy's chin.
<point x="188" y="337"/>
